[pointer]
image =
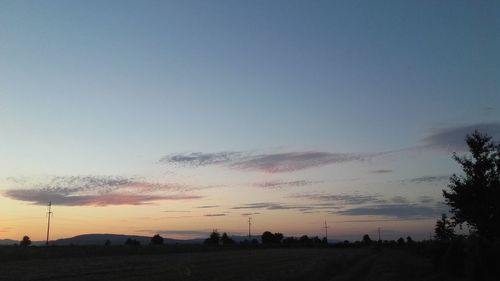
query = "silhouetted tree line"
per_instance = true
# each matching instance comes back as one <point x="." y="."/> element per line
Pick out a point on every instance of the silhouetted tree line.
<point x="269" y="238"/>
<point x="216" y="239"/>
<point x="132" y="242"/>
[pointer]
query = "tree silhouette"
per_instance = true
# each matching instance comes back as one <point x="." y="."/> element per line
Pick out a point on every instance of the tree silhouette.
<point x="367" y="239"/>
<point x="409" y="240"/>
<point x="157" y="240"/>
<point x="25" y="242"/>
<point x="269" y="238"/>
<point x="401" y="241"/>
<point x="213" y="239"/>
<point x="304" y="239"/>
<point x="474" y="197"/>
<point x="107" y="243"/>
<point x="225" y="240"/>
<point x="278" y="237"/>
<point x="289" y="241"/>
<point x="132" y="242"/>
<point x="444" y="229"/>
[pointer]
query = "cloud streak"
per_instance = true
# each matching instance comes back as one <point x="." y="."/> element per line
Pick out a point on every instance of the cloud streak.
<point x="99" y="191"/>
<point x="268" y="163"/>
<point x="341" y="199"/>
<point x="454" y="138"/>
<point x="398" y="211"/>
<point x="399" y="200"/>
<point x="249" y="214"/>
<point x="381" y="171"/>
<point x="427" y="179"/>
<point x="215" y="215"/>
<point x="279" y="184"/>
<point x="274" y="206"/>
<point x="197" y="159"/>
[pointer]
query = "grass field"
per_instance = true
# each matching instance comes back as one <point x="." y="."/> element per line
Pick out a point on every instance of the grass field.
<point x="257" y="264"/>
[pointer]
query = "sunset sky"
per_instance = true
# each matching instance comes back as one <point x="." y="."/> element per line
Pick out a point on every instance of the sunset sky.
<point x="179" y="117"/>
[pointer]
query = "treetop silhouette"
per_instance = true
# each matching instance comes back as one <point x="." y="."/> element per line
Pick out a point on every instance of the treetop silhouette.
<point x="474" y="197"/>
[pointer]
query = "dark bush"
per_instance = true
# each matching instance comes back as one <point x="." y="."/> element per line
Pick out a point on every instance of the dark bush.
<point x="157" y="240"/>
<point x="25" y="242"/>
<point x="213" y="239"/>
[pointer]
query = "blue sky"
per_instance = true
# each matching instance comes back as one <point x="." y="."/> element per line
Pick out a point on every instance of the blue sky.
<point x="110" y="88"/>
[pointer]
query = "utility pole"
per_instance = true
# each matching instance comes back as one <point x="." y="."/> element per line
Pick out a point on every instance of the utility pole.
<point x="49" y="214"/>
<point x="326" y="231"/>
<point x="249" y="229"/>
<point x="379" y="234"/>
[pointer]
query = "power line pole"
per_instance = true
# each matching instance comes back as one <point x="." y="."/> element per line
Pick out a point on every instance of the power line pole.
<point x="49" y="214"/>
<point x="326" y="231"/>
<point x="379" y="234"/>
<point x="249" y="229"/>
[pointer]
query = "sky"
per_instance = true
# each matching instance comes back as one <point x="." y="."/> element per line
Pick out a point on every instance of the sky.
<point x="180" y="117"/>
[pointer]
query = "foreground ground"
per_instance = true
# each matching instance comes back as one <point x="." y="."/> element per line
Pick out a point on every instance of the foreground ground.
<point x="261" y="264"/>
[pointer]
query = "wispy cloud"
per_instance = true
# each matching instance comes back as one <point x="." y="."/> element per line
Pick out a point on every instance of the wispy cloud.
<point x="303" y="207"/>
<point x="382" y="220"/>
<point x="425" y="199"/>
<point x="381" y="171"/>
<point x="98" y="191"/>
<point x="249" y="214"/>
<point x="400" y="211"/>
<point x="294" y="161"/>
<point x="454" y="138"/>
<point x="342" y="199"/>
<point x="427" y="179"/>
<point x="196" y="159"/>
<point x="279" y="184"/>
<point x="207" y="206"/>
<point x="269" y="163"/>
<point x="215" y="215"/>
<point x="178" y="217"/>
<point x="313" y="202"/>
<point x="399" y="200"/>
<point x="266" y="206"/>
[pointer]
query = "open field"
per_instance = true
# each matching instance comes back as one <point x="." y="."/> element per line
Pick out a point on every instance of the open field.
<point x="260" y="264"/>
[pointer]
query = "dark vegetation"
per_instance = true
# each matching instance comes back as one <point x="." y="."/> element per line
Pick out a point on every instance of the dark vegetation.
<point x="25" y="242"/>
<point x="157" y="240"/>
<point x="474" y="198"/>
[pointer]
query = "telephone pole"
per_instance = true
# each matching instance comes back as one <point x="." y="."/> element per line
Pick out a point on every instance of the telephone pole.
<point x="49" y="214"/>
<point x="249" y="229"/>
<point x="326" y="231"/>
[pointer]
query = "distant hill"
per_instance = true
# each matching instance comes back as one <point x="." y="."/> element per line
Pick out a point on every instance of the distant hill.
<point x="119" y="239"/>
<point x="115" y="239"/>
<point x="8" y="242"/>
<point x="100" y="239"/>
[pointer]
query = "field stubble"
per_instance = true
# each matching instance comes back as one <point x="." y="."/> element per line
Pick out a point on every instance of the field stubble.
<point x="251" y="265"/>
